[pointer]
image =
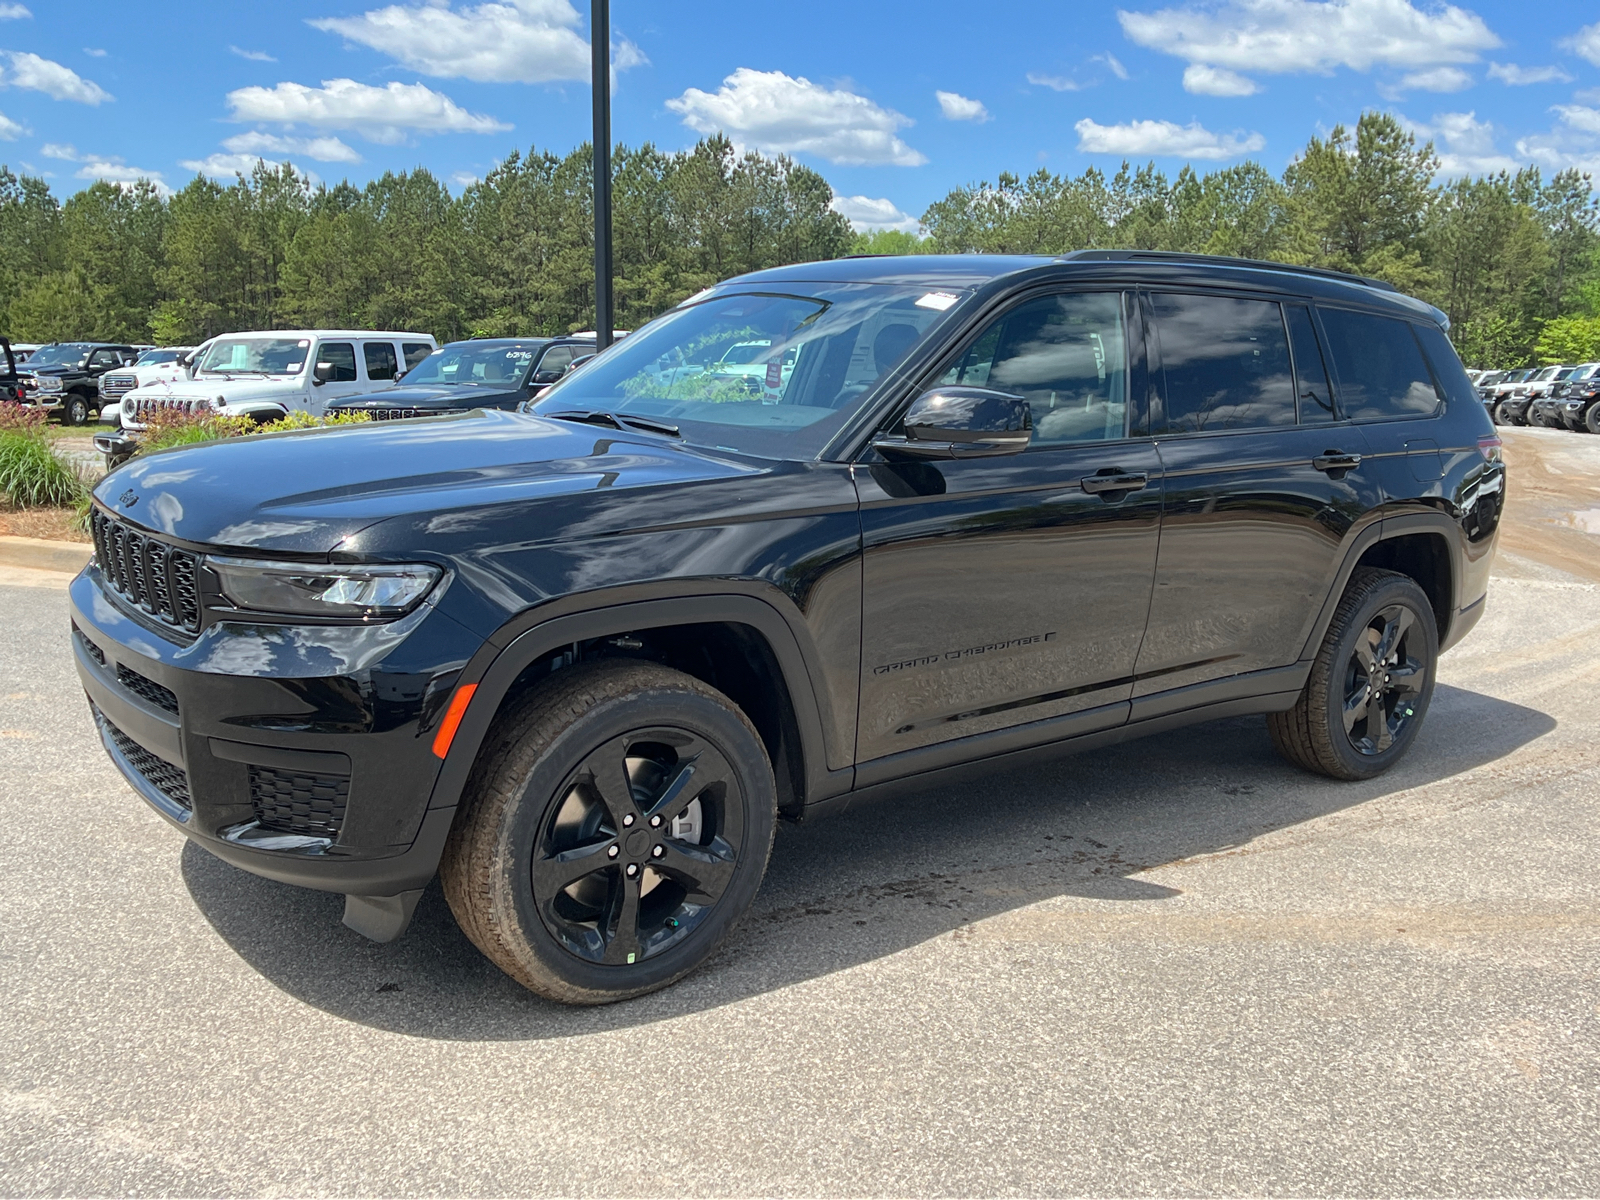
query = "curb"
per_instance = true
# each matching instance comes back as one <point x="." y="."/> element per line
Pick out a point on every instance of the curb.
<point x="40" y="554"/>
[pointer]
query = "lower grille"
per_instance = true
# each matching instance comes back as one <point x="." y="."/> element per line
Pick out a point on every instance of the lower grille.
<point x="299" y="802"/>
<point x="89" y="647"/>
<point x="147" y="689"/>
<point x="167" y="778"/>
<point x="396" y="414"/>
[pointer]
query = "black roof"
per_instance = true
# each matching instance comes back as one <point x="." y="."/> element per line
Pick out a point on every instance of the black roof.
<point x="963" y="271"/>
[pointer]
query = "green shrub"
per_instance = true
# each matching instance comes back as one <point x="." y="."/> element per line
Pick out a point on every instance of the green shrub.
<point x="31" y="475"/>
<point x="19" y="418"/>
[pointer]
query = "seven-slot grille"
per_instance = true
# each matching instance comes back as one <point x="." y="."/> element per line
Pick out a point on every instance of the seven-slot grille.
<point x="396" y="414"/>
<point x="298" y="801"/>
<point x="147" y="689"/>
<point x="168" y="778"/>
<point x="114" y="386"/>
<point x="146" y="404"/>
<point x="160" y="578"/>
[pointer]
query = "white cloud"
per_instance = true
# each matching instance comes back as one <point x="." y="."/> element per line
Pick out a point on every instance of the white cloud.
<point x="93" y="53"/>
<point x="1574" y="142"/>
<point x="1058" y="83"/>
<point x="379" y="114"/>
<point x="1140" y="139"/>
<point x="252" y="55"/>
<point x="1217" y="81"/>
<point x="106" y="167"/>
<point x="957" y="107"/>
<point x="505" y="41"/>
<point x="257" y="144"/>
<point x="1437" y="79"/>
<point x="223" y="167"/>
<point x="866" y="214"/>
<point x="1468" y="145"/>
<point x="14" y="12"/>
<point x="1585" y="43"/>
<point x="65" y="152"/>
<point x="464" y="179"/>
<point x="786" y="114"/>
<point x="42" y="75"/>
<point x="1281" y="36"/>
<point x="1515" y="76"/>
<point x="11" y="130"/>
<point x="1111" y="60"/>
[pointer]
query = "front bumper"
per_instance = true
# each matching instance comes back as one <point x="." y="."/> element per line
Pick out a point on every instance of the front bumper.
<point x="300" y="753"/>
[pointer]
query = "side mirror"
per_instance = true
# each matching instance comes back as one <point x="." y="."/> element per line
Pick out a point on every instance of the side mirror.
<point x="322" y="373"/>
<point x="545" y="377"/>
<point x="961" y="422"/>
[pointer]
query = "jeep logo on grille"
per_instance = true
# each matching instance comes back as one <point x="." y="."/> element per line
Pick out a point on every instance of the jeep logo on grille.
<point x="128" y="498"/>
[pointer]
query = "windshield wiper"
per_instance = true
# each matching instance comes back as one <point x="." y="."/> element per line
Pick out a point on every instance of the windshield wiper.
<point x="622" y="421"/>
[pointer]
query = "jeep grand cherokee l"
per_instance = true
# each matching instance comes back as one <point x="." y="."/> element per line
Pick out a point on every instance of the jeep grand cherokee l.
<point x="579" y="660"/>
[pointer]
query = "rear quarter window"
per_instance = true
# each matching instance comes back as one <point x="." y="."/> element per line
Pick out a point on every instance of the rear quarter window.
<point x="1381" y="369"/>
<point x="1447" y="369"/>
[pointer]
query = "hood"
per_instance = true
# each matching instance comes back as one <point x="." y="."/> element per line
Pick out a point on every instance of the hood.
<point x="432" y="395"/>
<point x="309" y="490"/>
<point x="39" y="372"/>
<point x="241" y="387"/>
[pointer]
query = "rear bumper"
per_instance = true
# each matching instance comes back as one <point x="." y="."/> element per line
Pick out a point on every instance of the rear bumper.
<point x="316" y="780"/>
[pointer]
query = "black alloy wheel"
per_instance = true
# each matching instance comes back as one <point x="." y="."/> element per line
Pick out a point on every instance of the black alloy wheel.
<point x="1369" y="688"/>
<point x="1591" y="417"/>
<point x="1501" y="414"/>
<point x="617" y="824"/>
<point x="75" y="411"/>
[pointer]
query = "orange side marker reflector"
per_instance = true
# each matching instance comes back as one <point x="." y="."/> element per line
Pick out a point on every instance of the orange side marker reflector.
<point x="452" y="719"/>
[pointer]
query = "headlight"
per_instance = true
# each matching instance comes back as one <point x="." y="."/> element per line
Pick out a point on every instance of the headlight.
<point x="309" y="590"/>
<point x="50" y="383"/>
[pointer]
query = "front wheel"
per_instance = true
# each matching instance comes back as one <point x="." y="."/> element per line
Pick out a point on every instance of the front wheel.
<point x="616" y="826"/>
<point x="1370" y="684"/>
<point x="75" y="411"/>
<point x="1591" y="418"/>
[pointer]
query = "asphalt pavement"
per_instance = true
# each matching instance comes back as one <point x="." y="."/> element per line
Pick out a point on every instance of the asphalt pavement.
<point x="1175" y="967"/>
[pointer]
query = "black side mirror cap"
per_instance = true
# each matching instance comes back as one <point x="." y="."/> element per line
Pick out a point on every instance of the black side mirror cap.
<point x="961" y="422"/>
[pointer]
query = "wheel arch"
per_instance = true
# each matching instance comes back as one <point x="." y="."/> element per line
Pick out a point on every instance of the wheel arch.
<point x="740" y="644"/>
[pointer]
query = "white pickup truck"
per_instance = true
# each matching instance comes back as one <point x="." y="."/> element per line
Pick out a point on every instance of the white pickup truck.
<point x="267" y="375"/>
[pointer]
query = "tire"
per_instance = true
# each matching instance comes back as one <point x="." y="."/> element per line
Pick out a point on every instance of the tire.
<point x="1591" y="418"/>
<point x="75" y="411"/>
<point x="1377" y="606"/>
<point x="571" y="785"/>
<point x="1502" y="415"/>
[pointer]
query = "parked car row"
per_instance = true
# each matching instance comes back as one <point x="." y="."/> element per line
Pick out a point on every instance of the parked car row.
<point x="1562" y="396"/>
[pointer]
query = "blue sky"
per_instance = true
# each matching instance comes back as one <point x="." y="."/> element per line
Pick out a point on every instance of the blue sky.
<point x="895" y="103"/>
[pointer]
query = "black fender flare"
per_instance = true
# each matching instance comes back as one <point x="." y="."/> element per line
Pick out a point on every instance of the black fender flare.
<point x="536" y="633"/>
<point x="1388" y="527"/>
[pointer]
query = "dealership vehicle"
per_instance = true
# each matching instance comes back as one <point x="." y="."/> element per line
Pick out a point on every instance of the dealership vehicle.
<point x="267" y="375"/>
<point x="1492" y="392"/>
<point x="1511" y="403"/>
<point x="1544" y="404"/>
<point x="1575" y="406"/>
<point x="22" y="351"/>
<point x="579" y="660"/>
<point x="152" y="366"/>
<point x="482" y="373"/>
<point x="64" y="377"/>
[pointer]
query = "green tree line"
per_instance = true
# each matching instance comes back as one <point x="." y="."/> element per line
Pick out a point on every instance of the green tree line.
<point x="1514" y="259"/>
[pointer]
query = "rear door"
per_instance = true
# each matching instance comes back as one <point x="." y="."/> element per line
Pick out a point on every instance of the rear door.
<point x="1264" y="485"/>
<point x="1002" y="591"/>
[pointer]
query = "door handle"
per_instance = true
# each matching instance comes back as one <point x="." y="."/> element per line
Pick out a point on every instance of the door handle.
<point x="1106" y="484"/>
<point x="1336" y="463"/>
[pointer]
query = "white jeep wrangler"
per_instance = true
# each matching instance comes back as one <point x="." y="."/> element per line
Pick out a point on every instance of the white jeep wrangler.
<point x="270" y="374"/>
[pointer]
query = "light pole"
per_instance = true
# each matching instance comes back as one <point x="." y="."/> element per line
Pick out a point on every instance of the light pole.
<point x="600" y="77"/>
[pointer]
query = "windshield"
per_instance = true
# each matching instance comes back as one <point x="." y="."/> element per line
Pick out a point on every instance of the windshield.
<point x="256" y="356"/>
<point x="475" y="362"/>
<point x="816" y="356"/>
<point x="68" y="355"/>
<point x="154" y="358"/>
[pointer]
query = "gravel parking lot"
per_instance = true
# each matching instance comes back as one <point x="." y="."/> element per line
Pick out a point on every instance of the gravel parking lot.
<point x="1179" y="966"/>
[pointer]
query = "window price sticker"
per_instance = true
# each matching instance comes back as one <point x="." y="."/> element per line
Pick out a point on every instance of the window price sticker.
<point x="939" y="301"/>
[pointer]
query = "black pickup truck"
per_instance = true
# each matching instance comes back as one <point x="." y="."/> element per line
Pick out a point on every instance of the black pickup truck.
<point x="65" y="377"/>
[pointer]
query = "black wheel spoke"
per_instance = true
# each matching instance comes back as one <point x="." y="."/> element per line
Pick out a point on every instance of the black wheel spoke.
<point x="622" y="924"/>
<point x="1397" y="623"/>
<point x="1379" y="731"/>
<point x="1406" y="679"/>
<point x="553" y="873"/>
<point x="1356" y="707"/>
<point x="692" y="777"/>
<point x="607" y="769"/>
<point x="703" y="871"/>
<point x="1365" y="652"/>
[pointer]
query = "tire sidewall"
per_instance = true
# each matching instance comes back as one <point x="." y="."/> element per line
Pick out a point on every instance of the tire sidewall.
<point x="1393" y="590"/>
<point x="70" y="414"/>
<point x="530" y="941"/>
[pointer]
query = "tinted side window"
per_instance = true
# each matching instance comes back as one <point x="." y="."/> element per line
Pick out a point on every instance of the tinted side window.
<point x="1446" y="364"/>
<point x="1067" y="355"/>
<point x="1382" y="373"/>
<point x="1310" y="371"/>
<point x="341" y="356"/>
<point x="106" y="358"/>
<point x="381" y="361"/>
<point x="415" y="352"/>
<point x="557" y="358"/>
<point x="1225" y="362"/>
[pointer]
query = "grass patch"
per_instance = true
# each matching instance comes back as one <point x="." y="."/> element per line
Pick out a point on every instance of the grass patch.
<point x="30" y="474"/>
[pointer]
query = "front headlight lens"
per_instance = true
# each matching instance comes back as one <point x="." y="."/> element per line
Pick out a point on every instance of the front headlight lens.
<point x="49" y="383"/>
<point x="382" y="590"/>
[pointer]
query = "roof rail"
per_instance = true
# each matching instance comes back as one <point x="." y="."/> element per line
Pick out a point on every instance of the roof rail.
<point x="1222" y="260"/>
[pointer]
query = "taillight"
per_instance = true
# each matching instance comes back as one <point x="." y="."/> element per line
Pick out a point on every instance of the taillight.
<point x="1489" y="447"/>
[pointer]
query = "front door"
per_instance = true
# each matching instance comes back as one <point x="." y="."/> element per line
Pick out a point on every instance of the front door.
<point x="1263" y="486"/>
<point x="1002" y="591"/>
<point x="340" y="377"/>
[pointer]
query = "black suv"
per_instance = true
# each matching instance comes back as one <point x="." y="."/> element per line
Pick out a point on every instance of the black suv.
<point x="481" y="373"/>
<point x="65" y="376"/>
<point x="969" y="510"/>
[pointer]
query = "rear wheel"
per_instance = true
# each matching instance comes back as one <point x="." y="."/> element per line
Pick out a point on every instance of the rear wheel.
<point x="75" y="411"/>
<point x="1370" y="685"/>
<point x="616" y="827"/>
<point x="1501" y="414"/>
<point x="1591" y="418"/>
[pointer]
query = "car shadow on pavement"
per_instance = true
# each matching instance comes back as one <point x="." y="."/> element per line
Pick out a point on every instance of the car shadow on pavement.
<point x="866" y="884"/>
